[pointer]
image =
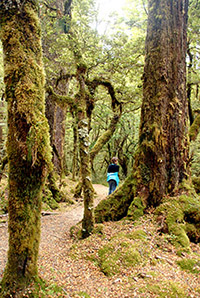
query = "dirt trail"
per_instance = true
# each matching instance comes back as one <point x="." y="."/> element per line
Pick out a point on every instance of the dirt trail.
<point x="54" y="231"/>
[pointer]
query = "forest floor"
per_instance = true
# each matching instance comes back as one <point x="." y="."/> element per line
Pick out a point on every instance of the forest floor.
<point x="121" y="259"/>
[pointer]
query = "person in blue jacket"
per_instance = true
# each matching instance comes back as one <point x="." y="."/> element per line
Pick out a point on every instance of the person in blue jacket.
<point x="112" y="175"/>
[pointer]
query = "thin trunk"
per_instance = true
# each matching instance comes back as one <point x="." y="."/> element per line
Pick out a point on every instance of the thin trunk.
<point x="83" y="134"/>
<point x="75" y="151"/>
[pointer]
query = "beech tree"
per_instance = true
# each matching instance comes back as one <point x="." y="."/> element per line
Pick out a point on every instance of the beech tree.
<point x="28" y="146"/>
<point x="161" y="169"/>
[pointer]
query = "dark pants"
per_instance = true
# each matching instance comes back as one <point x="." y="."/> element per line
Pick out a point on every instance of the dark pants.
<point x="112" y="186"/>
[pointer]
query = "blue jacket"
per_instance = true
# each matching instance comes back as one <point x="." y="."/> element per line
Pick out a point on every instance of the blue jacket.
<point x="113" y="176"/>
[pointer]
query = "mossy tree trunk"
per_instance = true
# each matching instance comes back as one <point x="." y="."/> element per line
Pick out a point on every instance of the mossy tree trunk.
<point x="28" y="146"/>
<point x="83" y="135"/>
<point x="161" y="161"/>
<point x="75" y="151"/>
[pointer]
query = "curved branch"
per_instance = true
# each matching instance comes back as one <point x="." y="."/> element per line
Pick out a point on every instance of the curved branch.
<point x="61" y="100"/>
<point x="98" y="82"/>
<point x="105" y="137"/>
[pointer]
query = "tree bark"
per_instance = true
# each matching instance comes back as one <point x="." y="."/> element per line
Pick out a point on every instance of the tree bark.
<point x="162" y="159"/>
<point x="28" y="146"/>
<point x="83" y="134"/>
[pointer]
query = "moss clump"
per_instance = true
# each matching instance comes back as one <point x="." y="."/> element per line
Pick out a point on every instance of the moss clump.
<point x="75" y="232"/>
<point x="116" y="255"/>
<point x="48" y="199"/>
<point x="182" y="219"/>
<point x="138" y="234"/>
<point x="136" y="209"/>
<point x="98" y="229"/>
<point x="3" y="203"/>
<point x="165" y="289"/>
<point x="191" y="265"/>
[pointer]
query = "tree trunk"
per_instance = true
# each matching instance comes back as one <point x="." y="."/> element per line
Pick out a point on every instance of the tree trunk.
<point x="28" y="147"/>
<point x="59" y="140"/>
<point x="75" y="149"/>
<point x="162" y="159"/>
<point x="83" y="134"/>
<point x="161" y="173"/>
<point x="1" y="128"/>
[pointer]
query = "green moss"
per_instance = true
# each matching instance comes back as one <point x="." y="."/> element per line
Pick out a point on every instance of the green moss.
<point x="116" y="255"/>
<point x="98" y="229"/>
<point x="174" y="217"/>
<point x="138" y="234"/>
<point x="83" y="294"/>
<point x="191" y="265"/>
<point x="194" y="128"/>
<point x="136" y="209"/>
<point x="196" y="183"/>
<point x="116" y="205"/>
<point x="165" y="289"/>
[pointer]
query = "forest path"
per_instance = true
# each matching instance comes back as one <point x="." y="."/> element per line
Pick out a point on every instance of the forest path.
<point x="55" y="231"/>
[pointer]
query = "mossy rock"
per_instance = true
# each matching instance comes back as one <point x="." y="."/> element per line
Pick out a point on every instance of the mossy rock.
<point x="191" y="265"/>
<point x="115" y="207"/>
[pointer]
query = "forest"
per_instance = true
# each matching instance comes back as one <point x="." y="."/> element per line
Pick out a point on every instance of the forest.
<point x="81" y="82"/>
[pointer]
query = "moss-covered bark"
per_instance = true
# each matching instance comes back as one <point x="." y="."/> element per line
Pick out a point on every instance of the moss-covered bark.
<point x="117" y="204"/>
<point x="83" y="134"/>
<point x="161" y="169"/>
<point x="28" y="146"/>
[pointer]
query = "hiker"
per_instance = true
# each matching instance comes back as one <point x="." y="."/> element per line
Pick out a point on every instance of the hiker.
<point x="112" y="175"/>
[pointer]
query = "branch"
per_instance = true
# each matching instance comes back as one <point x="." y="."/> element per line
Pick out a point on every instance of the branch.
<point x="50" y="7"/>
<point x="61" y="100"/>
<point x="98" y="82"/>
<point x="105" y="137"/>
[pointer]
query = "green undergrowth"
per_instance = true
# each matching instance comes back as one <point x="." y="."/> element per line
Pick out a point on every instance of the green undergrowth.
<point x="190" y="265"/>
<point x="138" y="252"/>
<point x="168" y="289"/>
